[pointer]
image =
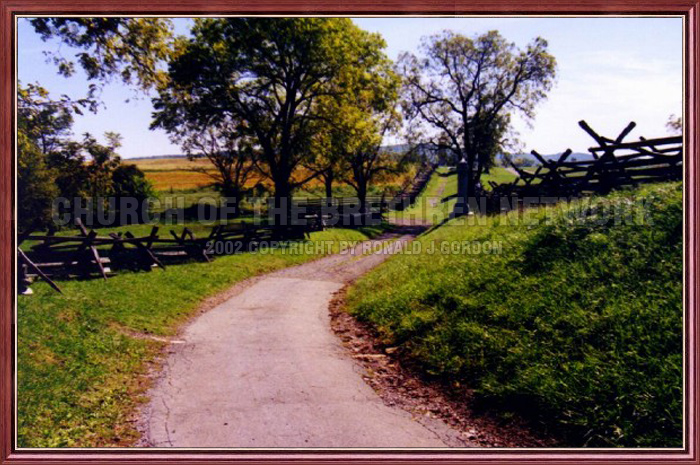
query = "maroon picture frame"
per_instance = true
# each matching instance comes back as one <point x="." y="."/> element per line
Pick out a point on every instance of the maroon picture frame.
<point x="10" y="8"/>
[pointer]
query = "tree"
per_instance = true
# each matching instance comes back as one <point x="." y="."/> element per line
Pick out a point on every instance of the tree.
<point x="43" y="132"/>
<point x="326" y="162"/>
<point x="354" y="120"/>
<point x="127" y="48"/>
<point x="465" y="90"/>
<point x="35" y="185"/>
<point x="362" y="119"/>
<point x="225" y="143"/>
<point x="674" y="124"/>
<point x="71" y="171"/>
<point x="365" y="158"/>
<point x="104" y="160"/>
<point x="128" y="181"/>
<point x="51" y="164"/>
<point x="267" y="73"/>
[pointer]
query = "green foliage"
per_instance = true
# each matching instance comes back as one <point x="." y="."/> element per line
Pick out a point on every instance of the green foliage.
<point x="127" y="48"/>
<point x="51" y="164"/>
<point x="103" y="162"/>
<point x="577" y="323"/>
<point x="43" y="131"/>
<point x="35" y="186"/>
<point x="356" y="117"/>
<point x="129" y="181"/>
<point x="83" y="355"/>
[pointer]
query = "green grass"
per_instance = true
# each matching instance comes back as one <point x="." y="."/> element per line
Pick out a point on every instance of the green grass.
<point x="576" y="324"/>
<point x="80" y="368"/>
<point x="183" y="198"/>
<point x="498" y="175"/>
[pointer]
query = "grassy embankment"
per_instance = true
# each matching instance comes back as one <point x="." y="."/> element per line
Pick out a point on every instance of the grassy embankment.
<point x="576" y="324"/>
<point x="83" y="355"/>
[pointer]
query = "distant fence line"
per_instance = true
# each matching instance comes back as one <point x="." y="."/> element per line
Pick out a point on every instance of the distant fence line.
<point x="411" y="191"/>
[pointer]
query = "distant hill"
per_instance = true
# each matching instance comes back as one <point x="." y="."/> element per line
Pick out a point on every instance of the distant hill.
<point x="576" y="156"/>
<point x="159" y="157"/>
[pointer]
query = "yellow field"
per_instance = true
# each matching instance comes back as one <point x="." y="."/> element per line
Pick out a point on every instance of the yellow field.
<point x="177" y="174"/>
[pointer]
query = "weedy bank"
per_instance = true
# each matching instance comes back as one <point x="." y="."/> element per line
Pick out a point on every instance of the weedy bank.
<point x="577" y="324"/>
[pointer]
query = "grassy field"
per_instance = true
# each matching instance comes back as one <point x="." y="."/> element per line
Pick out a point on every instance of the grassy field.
<point x="175" y="173"/>
<point x="574" y="322"/>
<point x="83" y="355"/>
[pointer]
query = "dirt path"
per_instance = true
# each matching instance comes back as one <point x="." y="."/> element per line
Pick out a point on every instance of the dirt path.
<point x="437" y="197"/>
<point x="264" y="369"/>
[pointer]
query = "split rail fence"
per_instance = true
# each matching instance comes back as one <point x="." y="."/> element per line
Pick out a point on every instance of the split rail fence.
<point x="89" y="255"/>
<point x="614" y="163"/>
<point x="410" y="192"/>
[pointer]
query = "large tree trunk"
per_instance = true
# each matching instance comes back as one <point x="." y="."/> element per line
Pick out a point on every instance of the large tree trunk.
<point x="362" y="195"/>
<point x="282" y="201"/>
<point x="471" y="176"/>
<point x="328" y="181"/>
<point x="287" y="227"/>
<point x="232" y="196"/>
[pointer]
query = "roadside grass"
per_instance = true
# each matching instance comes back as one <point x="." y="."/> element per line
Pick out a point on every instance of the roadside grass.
<point x="83" y="355"/>
<point x="577" y="324"/>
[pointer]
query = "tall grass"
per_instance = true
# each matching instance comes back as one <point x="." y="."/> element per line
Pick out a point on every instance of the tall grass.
<point x="577" y="324"/>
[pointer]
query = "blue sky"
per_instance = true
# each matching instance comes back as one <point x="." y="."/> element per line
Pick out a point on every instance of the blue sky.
<point x="610" y="71"/>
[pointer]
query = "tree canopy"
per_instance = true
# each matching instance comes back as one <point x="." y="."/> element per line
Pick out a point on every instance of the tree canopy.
<point x="355" y="118"/>
<point x="127" y="48"/>
<point x="465" y="90"/>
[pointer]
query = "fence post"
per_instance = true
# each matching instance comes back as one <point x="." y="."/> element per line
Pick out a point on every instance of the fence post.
<point x="462" y="205"/>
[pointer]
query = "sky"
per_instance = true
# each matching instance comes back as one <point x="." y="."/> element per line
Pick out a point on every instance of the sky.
<point x="611" y="71"/>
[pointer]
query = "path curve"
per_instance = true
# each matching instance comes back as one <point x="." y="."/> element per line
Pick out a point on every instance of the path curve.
<point x="263" y="369"/>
